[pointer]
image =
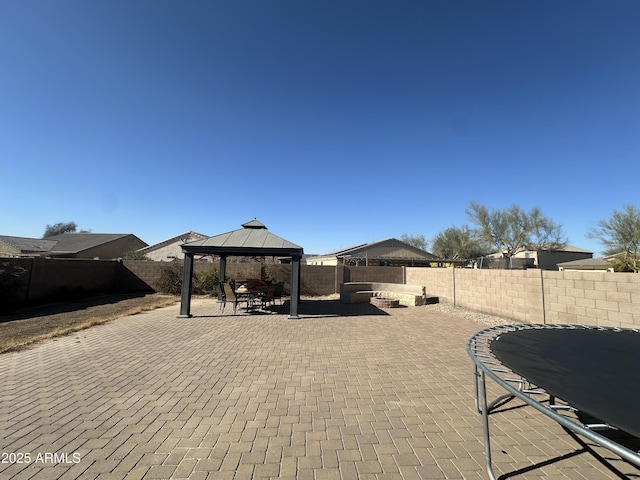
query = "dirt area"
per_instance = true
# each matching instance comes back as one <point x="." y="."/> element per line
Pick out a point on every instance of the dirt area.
<point x="31" y="325"/>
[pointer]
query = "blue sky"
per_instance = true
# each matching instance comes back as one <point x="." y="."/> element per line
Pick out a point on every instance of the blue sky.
<point x="335" y="123"/>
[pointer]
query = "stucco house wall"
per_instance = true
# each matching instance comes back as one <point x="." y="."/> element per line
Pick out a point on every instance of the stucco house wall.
<point x="550" y="260"/>
<point x="171" y="249"/>
<point x="113" y="249"/>
<point x="322" y="260"/>
<point x="7" y="250"/>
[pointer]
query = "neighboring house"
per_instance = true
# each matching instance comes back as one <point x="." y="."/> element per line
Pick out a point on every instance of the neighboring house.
<point x="586" y="265"/>
<point x="390" y="252"/>
<point x="171" y="248"/>
<point x="24" y="247"/>
<point x="624" y="262"/>
<point x="94" y="245"/>
<point x="542" y="259"/>
<point x="72" y="245"/>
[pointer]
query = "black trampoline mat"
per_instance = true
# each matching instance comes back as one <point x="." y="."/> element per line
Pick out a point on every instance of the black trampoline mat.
<point x="595" y="371"/>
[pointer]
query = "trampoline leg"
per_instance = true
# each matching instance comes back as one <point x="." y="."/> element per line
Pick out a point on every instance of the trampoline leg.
<point x="481" y="383"/>
<point x="476" y="377"/>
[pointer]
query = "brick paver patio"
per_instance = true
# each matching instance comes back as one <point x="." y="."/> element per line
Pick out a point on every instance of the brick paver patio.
<point x="346" y="392"/>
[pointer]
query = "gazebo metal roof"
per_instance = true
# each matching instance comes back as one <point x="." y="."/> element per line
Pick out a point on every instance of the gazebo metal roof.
<point x="253" y="239"/>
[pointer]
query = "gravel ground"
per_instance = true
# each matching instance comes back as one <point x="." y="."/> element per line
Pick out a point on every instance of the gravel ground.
<point x="471" y="315"/>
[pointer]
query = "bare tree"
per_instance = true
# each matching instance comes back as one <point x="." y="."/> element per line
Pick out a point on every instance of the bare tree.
<point x="418" y="241"/>
<point x="512" y="230"/>
<point x="620" y="236"/>
<point x="459" y="243"/>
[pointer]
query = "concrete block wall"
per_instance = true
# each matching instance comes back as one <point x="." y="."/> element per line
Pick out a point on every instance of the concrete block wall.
<point x="235" y="271"/>
<point x="61" y="278"/>
<point x="315" y="280"/>
<point x="604" y="299"/>
<point x="528" y="296"/>
<point x="21" y="293"/>
<point x="139" y="275"/>
<point x="538" y="296"/>
<point x="47" y="279"/>
<point x="320" y="280"/>
<point x="373" y="274"/>
<point x="439" y="282"/>
<point x="148" y="273"/>
<point x="515" y="294"/>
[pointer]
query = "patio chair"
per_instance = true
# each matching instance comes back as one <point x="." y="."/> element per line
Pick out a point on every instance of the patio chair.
<point x="228" y="295"/>
<point x="279" y="292"/>
<point x="269" y="295"/>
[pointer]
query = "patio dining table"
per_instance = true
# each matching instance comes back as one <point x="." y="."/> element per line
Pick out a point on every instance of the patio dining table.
<point x="252" y="294"/>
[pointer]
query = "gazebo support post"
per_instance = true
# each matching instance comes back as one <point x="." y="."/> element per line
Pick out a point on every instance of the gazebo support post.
<point x="187" y="274"/>
<point x="295" y="287"/>
<point x="222" y="277"/>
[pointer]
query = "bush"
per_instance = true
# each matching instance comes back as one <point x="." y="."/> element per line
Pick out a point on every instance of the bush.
<point x="206" y="283"/>
<point x="135" y="255"/>
<point x="170" y="282"/>
<point x="10" y="285"/>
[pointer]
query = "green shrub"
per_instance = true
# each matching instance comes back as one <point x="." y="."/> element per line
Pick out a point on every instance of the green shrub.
<point x="10" y="285"/>
<point x="135" y="255"/>
<point x="207" y="282"/>
<point x="170" y="281"/>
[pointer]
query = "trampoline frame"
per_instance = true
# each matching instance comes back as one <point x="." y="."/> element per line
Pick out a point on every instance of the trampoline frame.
<point x="487" y="365"/>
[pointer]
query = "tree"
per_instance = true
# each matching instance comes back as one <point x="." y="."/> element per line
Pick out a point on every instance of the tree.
<point x="458" y="243"/>
<point x="512" y="230"/>
<point x="417" y="241"/>
<point x="620" y="235"/>
<point x="135" y="255"/>
<point x="62" y="227"/>
<point x="59" y="228"/>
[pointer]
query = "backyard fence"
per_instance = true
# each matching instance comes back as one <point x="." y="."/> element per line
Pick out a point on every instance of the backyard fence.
<point x="528" y="296"/>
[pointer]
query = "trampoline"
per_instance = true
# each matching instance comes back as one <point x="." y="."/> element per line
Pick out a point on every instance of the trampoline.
<point x="586" y="378"/>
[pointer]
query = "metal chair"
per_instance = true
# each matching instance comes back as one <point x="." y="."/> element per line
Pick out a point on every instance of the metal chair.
<point x="269" y="295"/>
<point x="279" y="292"/>
<point x="228" y="295"/>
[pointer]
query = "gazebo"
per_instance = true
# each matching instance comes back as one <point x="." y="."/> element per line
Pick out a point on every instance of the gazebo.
<point x="253" y="239"/>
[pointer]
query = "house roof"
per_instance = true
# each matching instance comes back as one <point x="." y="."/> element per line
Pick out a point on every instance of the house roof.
<point x="566" y="248"/>
<point x="28" y="245"/>
<point x="571" y="248"/>
<point x="389" y="249"/>
<point x="252" y="239"/>
<point x="587" y="264"/>
<point x="616" y="255"/>
<point x="183" y="237"/>
<point x="67" y="243"/>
